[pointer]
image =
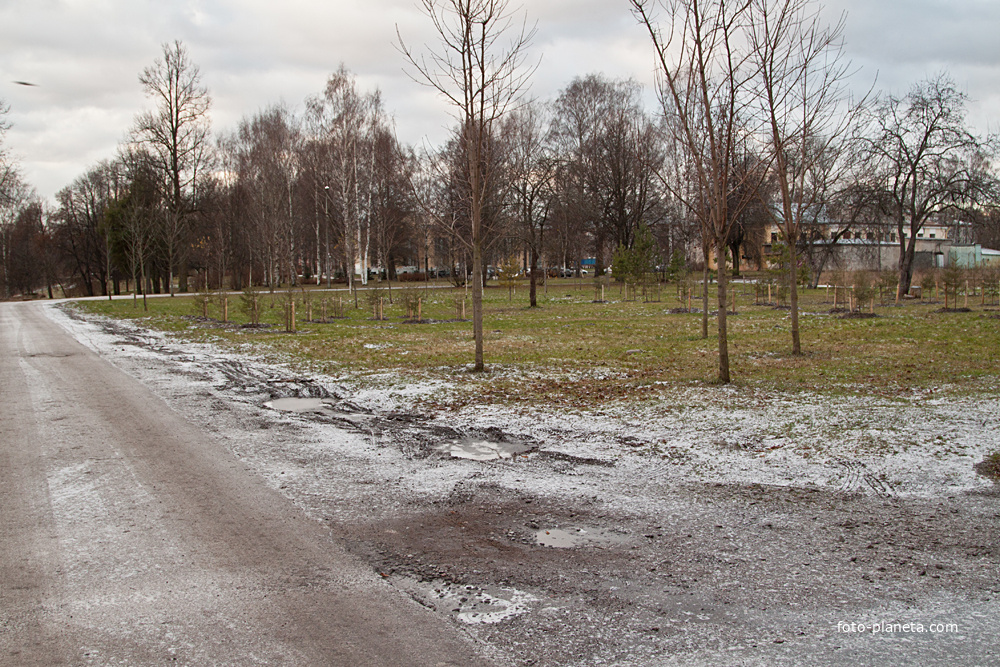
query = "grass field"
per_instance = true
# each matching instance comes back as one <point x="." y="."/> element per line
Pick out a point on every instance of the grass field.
<point x="572" y="349"/>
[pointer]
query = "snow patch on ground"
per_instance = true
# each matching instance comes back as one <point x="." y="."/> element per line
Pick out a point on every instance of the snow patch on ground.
<point x="919" y="446"/>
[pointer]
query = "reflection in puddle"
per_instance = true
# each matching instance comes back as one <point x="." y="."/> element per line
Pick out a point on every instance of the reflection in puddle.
<point x="479" y="449"/>
<point x="568" y="538"/>
<point x="321" y="406"/>
<point x="299" y="404"/>
<point x="559" y="538"/>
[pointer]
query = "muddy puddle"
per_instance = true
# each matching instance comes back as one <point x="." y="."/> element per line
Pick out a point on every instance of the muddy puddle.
<point x="577" y="536"/>
<point x="482" y="449"/>
<point x="470" y="604"/>
<point x="322" y="406"/>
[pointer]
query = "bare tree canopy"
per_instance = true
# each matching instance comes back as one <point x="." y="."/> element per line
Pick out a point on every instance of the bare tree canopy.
<point x="706" y="91"/>
<point x="804" y="109"/>
<point x="176" y="132"/>
<point x="928" y="161"/>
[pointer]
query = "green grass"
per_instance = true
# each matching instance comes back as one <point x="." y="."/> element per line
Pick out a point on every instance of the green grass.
<point x="571" y="349"/>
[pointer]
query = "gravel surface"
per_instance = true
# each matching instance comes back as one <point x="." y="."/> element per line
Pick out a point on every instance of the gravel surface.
<point x="711" y="526"/>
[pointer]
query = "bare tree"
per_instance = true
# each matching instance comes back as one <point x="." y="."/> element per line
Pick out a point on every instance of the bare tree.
<point x="134" y="214"/>
<point x="177" y="134"/>
<point x="704" y="88"/>
<point x="610" y="151"/>
<point x="13" y="193"/>
<point x="479" y="67"/>
<point x="346" y="123"/>
<point x="532" y="178"/>
<point x="928" y="159"/>
<point x="392" y="208"/>
<point x="82" y="232"/>
<point x="802" y="76"/>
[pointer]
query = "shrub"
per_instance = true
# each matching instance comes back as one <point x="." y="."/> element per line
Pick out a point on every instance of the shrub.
<point x="250" y="303"/>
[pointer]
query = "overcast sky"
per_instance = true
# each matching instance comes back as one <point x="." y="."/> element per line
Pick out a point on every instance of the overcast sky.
<point x="85" y="57"/>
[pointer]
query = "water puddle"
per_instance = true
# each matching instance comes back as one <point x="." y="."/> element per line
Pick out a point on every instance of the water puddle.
<point x="323" y="406"/>
<point x="481" y="449"/>
<point x="470" y="604"/>
<point x="299" y="404"/>
<point x="567" y="538"/>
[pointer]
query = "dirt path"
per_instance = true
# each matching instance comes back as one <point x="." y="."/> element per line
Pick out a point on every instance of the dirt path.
<point x="128" y="535"/>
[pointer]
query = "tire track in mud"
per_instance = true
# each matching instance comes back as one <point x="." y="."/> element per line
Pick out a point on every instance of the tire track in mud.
<point x="857" y="478"/>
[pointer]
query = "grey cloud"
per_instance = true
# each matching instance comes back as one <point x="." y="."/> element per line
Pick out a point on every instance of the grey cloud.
<point x="86" y="57"/>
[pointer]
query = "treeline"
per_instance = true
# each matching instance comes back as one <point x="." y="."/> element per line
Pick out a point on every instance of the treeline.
<point x="330" y="193"/>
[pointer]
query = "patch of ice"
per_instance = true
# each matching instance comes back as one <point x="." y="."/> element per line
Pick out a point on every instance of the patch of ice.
<point x="473" y="605"/>
<point x="477" y="449"/>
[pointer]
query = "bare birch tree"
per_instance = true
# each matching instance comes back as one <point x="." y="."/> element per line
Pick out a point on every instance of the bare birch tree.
<point x="177" y="134"/>
<point x="479" y="68"/>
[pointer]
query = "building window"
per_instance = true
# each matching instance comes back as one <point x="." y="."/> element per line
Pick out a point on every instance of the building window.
<point x="933" y="235"/>
<point x="847" y="236"/>
<point x="920" y="235"/>
<point x="774" y="237"/>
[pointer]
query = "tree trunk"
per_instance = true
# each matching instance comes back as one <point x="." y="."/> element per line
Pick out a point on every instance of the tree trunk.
<point x="704" y="294"/>
<point x="723" y="332"/>
<point x="477" y="298"/>
<point x="533" y="289"/>
<point x="793" y="293"/>
<point x="907" y="246"/>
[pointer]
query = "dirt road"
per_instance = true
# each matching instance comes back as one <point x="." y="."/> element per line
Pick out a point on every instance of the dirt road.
<point x="129" y="536"/>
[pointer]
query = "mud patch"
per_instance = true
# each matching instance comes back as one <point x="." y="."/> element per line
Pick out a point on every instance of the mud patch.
<point x="990" y="467"/>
